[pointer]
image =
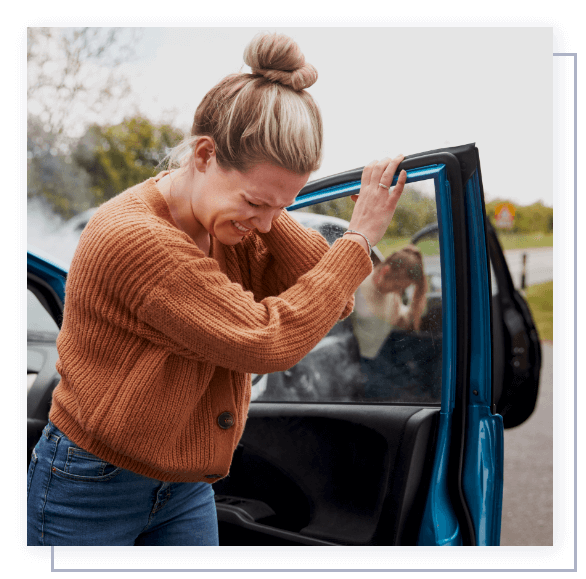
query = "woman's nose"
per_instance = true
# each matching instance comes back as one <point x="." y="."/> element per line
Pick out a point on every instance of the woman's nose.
<point x="264" y="221"/>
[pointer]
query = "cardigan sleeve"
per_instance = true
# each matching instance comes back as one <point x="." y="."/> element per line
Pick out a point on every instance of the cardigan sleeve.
<point x="199" y="309"/>
<point x="278" y="258"/>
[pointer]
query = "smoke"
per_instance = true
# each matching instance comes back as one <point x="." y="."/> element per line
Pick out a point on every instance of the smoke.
<point x="50" y="233"/>
<point x="41" y="221"/>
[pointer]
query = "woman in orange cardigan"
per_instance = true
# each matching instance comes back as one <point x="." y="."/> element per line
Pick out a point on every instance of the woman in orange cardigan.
<point x="180" y="288"/>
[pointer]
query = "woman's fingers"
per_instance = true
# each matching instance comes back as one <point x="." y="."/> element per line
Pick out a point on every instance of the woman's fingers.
<point x="375" y="204"/>
<point x="366" y="174"/>
<point x="398" y="188"/>
<point x="378" y="171"/>
<point x="386" y="177"/>
<point x="397" y="191"/>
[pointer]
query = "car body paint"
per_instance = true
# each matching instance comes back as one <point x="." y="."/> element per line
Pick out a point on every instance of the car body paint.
<point x="483" y="453"/>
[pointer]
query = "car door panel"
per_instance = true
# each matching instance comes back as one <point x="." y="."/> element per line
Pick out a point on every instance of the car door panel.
<point x="328" y="471"/>
<point x="484" y="450"/>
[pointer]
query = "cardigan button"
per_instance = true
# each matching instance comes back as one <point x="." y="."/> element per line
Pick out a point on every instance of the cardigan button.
<point x="225" y="420"/>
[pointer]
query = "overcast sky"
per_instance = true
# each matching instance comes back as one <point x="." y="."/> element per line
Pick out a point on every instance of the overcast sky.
<point x="384" y="91"/>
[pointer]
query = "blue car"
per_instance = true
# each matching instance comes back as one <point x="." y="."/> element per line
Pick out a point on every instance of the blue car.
<point x="390" y="431"/>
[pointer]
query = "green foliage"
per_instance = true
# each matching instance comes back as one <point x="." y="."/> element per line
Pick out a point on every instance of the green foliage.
<point x="413" y="212"/>
<point x="524" y="240"/>
<point x="533" y="225"/>
<point x="104" y="162"/>
<point x="52" y="174"/>
<point x="120" y="156"/>
<point x="63" y="189"/>
<point x="341" y="208"/>
<point x="540" y="300"/>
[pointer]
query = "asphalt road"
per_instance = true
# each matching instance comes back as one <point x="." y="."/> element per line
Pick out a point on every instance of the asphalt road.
<point x="538" y="267"/>
<point x="528" y="478"/>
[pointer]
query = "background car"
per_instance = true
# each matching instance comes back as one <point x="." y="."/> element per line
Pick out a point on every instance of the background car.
<point x="323" y="463"/>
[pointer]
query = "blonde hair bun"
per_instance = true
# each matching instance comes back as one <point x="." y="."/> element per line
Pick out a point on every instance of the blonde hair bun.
<point x="279" y="59"/>
<point x="263" y="117"/>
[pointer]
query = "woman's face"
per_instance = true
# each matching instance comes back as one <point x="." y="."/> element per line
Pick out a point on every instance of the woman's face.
<point x="233" y="203"/>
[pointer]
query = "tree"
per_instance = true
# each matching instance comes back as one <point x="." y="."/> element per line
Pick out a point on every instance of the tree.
<point x="119" y="156"/>
<point x="533" y="218"/>
<point x="75" y="71"/>
<point x="71" y="72"/>
<point x="341" y="207"/>
<point x="413" y="212"/>
<point x="53" y="175"/>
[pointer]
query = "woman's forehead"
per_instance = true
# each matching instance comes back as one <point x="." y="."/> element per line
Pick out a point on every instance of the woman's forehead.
<point x="271" y="185"/>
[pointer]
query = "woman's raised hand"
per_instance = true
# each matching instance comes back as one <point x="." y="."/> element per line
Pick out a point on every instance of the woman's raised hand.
<point x="375" y="205"/>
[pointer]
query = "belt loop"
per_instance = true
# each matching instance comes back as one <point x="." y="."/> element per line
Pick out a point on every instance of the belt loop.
<point x="48" y="431"/>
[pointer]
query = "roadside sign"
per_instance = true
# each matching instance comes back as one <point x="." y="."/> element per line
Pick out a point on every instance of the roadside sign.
<point x="504" y="214"/>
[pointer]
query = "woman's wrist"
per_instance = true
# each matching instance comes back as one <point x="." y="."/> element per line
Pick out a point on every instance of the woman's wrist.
<point x="359" y="238"/>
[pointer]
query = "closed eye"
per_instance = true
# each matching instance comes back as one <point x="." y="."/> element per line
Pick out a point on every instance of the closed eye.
<point x="252" y="204"/>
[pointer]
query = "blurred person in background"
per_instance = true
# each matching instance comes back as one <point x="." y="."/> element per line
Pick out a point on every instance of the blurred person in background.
<point x="379" y="310"/>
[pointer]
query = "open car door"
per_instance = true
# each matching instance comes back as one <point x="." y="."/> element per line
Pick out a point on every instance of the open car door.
<point x="380" y="435"/>
<point x="389" y="436"/>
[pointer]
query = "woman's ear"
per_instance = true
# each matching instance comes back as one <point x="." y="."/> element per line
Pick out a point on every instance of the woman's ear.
<point x="203" y="152"/>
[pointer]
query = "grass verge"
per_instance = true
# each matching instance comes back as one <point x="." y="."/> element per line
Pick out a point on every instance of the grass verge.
<point x="507" y="241"/>
<point x="525" y="240"/>
<point x="540" y="300"/>
<point x="390" y="244"/>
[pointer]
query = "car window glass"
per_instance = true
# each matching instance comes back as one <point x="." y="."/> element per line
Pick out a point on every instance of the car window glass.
<point x="390" y="348"/>
<point x="41" y="330"/>
<point x="38" y="319"/>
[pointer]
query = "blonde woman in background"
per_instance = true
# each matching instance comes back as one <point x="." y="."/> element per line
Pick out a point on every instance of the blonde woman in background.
<point x="180" y="288"/>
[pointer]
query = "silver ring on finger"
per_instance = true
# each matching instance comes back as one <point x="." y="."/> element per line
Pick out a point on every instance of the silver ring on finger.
<point x="387" y="187"/>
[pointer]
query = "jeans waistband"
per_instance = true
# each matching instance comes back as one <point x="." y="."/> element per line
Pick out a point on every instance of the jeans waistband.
<point x="52" y="430"/>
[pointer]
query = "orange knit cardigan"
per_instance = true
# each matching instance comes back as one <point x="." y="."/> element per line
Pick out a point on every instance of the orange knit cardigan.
<point x="158" y="343"/>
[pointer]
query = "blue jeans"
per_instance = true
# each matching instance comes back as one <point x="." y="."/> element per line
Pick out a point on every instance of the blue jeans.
<point x="75" y="498"/>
